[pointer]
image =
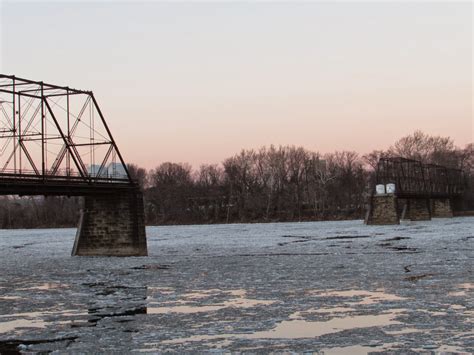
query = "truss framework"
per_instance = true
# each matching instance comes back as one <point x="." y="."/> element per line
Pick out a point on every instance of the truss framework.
<point x="415" y="179"/>
<point x="55" y="133"/>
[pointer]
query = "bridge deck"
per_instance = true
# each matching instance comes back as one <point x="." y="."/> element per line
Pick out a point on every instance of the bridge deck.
<point x="417" y="195"/>
<point x="20" y="184"/>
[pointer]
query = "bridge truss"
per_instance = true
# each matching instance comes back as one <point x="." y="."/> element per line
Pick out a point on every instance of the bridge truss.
<point x="415" y="179"/>
<point x="55" y="136"/>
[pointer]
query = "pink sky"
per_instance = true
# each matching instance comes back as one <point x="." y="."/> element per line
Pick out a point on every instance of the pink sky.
<point x="197" y="82"/>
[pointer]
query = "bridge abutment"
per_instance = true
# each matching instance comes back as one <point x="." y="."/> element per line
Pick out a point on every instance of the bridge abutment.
<point x="441" y="208"/>
<point x="112" y="225"/>
<point x="383" y="210"/>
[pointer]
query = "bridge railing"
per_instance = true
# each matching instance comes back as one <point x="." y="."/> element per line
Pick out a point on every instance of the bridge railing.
<point x="30" y="176"/>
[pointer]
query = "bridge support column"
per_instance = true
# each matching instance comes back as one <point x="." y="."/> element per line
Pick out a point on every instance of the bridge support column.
<point x="417" y="209"/>
<point x="112" y="225"/>
<point x="441" y="208"/>
<point x="383" y="209"/>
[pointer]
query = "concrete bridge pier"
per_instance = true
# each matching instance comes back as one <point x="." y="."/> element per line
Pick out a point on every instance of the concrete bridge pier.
<point x="441" y="208"/>
<point x="112" y="225"/>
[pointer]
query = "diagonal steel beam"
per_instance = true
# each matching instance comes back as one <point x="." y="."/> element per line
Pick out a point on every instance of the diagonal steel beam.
<point x="74" y="153"/>
<point x="110" y="136"/>
<point x="105" y="160"/>
<point x="62" y="152"/>
<point x="28" y="156"/>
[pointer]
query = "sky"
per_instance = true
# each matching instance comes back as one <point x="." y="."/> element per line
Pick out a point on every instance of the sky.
<point x="197" y="82"/>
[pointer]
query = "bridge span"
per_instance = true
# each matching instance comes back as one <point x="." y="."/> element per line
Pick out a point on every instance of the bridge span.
<point x="54" y="140"/>
<point x="409" y="189"/>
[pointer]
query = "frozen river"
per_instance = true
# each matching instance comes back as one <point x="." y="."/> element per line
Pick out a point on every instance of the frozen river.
<point x="332" y="287"/>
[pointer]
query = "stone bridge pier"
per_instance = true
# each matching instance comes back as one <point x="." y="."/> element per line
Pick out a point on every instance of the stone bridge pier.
<point x="112" y="225"/>
<point x="441" y="208"/>
<point x="390" y="209"/>
<point x="383" y="209"/>
<point x="415" y="209"/>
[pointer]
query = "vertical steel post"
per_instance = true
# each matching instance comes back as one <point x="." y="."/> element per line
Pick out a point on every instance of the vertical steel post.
<point x="91" y="163"/>
<point x="42" y="132"/>
<point x="448" y="185"/>
<point x="68" y="157"/>
<point x="19" y="132"/>
<point x="14" y="126"/>
<point x="425" y="189"/>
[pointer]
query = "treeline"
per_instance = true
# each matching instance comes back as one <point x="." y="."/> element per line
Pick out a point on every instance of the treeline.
<point x="281" y="183"/>
<point x="271" y="184"/>
<point x="284" y="183"/>
<point x="38" y="212"/>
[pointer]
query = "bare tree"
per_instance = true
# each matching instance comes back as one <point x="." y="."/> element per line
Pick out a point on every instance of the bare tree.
<point x="138" y="174"/>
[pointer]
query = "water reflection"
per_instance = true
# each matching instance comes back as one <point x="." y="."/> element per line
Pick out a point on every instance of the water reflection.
<point x="105" y="301"/>
<point x="367" y="297"/>
<point x="163" y="290"/>
<point x="404" y="331"/>
<point x="357" y="349"/>
<point x="300" y="328"/>
<point x="187" y="304"/>
<point x="464" y="289"/>
<point x="8" y="326"/>
<point x="332" y="310"/>
<point x="6" y="298"/>
<point x="125" y="303"/>
<point x="45" y="286"/>
<point x="296" y="328"/>
<point x="37" y="319"/>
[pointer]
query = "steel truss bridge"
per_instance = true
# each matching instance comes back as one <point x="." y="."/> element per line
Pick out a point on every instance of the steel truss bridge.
<point x="54" y="140"/>
<point x="413" y="179"/>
